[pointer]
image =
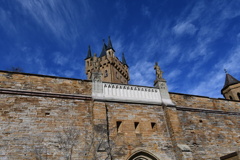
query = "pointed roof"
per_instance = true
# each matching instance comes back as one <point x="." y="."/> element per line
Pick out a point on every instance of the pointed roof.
<point x="230" y="80"/>
<point x="104" y="48"/>
<point x="89" y="55"/>
<point x="124" y="60"/>
<point x="109" y="46"/>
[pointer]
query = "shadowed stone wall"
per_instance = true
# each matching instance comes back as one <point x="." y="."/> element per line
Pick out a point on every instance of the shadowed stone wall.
<point x="210" y="127"/>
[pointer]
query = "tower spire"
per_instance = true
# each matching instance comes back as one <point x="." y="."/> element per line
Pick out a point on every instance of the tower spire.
<point x="124" y="60"/>
<point x="109" y="46"/>
<point x="229" y="80"/>
<point x="231" y="88"/>
<point x="89" y="54"/>
<point x="103" y="53"/>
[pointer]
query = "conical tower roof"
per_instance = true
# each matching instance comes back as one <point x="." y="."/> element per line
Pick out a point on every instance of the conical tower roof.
<point x="230" y="80"/>
<point x="109" y="46"/>
<point x="104" y="48"/>
<point x="89" y="54"/>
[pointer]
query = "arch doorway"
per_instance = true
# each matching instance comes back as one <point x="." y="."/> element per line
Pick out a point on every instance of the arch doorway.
<point x="143" y="155"/>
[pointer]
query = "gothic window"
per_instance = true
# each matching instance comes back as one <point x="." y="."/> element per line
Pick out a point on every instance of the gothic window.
<point x="238" y="94"/>
<point x="142" y="155"/>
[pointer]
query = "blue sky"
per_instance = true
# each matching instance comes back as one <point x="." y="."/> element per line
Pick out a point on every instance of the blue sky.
<point x="193" y="41"/>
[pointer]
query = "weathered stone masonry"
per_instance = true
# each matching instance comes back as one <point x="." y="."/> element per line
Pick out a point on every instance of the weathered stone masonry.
<point x="34" y="109"/>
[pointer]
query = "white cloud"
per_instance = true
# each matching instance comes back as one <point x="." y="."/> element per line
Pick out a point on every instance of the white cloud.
<point x="213" y="81"/>
<point x="6" y="23"/>
<point x="173" y="74"/>
<point x="173" y="52"/>
<point x="145" y="11"/>
<point x="142" y="74"/>
<point x="232" y="63"/>
<point x="60" y="59"/>
<point x="184" y="28"/>
<point x="59" y="17"/>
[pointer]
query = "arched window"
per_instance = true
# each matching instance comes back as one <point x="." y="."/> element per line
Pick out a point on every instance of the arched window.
<point x="238" y="94"/>
<point x="143" y="155"/>
<point x="230" y="97"/>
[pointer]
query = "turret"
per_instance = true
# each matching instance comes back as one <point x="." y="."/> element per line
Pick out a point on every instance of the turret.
<point x="110" y="50"/>
<point x="112" y="69"/>
<point x="231" y="88"/>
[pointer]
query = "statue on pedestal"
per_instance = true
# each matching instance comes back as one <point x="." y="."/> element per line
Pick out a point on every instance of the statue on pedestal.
<point x="158" y="72"/>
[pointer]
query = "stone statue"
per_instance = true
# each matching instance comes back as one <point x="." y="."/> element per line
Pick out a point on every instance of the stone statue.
<point x="96" y="63"/>
<point x="158" y="72"/>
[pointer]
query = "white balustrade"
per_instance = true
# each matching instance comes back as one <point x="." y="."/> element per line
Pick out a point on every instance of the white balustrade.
<point x="128" y="93"/>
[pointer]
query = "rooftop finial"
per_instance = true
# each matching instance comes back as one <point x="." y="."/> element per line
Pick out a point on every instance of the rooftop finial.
<point x="225" y="71"/>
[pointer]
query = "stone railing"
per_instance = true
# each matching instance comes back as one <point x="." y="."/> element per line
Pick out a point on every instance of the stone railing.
<point x="126" y="93"/>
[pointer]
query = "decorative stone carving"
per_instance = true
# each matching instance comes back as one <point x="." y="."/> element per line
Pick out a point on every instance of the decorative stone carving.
<point x="96" y="63"/>
<point x="161" y="83"/>
<point x="159" y="72"/>
<point x="97" y="87"/>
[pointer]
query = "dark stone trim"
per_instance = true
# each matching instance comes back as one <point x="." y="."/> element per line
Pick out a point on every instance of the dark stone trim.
<point x="41" y="75"/>
<point x="190" y="95"/>
<point x="127" y="102"/>
<point x="45" y="94"/>
<point x="203" y="96"/>
<point x="229" y="156"/>
<point x="225" y="87"/>
<point x="180" y="108"/>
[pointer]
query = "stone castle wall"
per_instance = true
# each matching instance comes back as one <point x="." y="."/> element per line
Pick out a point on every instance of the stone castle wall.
<point x="42" y="83"/>
<point x="29" y="123"/>
<point x="210" y="127"/>
<point x="35" y="110"/>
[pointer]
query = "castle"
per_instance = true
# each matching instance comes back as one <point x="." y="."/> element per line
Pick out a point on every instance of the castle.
<point x="104" y="117"/>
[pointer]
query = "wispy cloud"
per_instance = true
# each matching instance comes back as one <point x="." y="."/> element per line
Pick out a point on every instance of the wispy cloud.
<point x="142" y="74"/>
<point x="58" y="17"/>
<point x="213" y="81"/>
<point x="6" y="21"/>
<point x="60" y="59"/>
<point x="184" y="28"/>
<point x="145" y="11"/>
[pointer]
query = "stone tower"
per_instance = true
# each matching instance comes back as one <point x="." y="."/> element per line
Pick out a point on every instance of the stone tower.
<point x="231" y="88"/>
<point x="112" y="69"/>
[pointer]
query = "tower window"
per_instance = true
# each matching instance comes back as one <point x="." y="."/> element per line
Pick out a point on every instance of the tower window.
<point x="238" y="94"/>
<point x="230" y="97"/>
<point x="105" y="73"/>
